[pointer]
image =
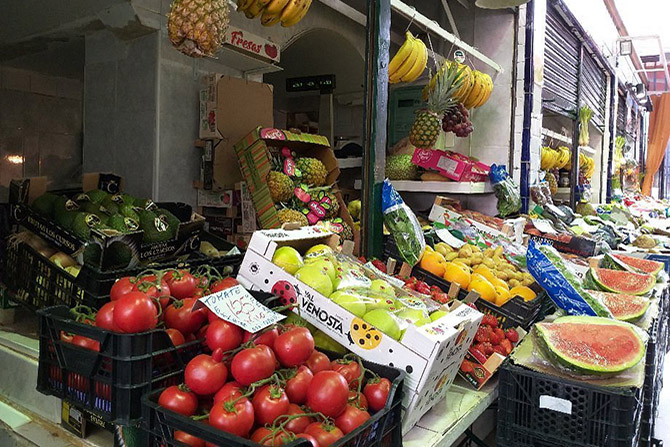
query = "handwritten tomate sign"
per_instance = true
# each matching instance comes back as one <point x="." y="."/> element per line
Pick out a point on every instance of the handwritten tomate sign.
<point x="247" y="42"/>
<point x="237" y="306"/>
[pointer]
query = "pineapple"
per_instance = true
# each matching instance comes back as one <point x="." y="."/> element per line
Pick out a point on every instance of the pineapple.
<point x="312" y="170"/>
<point x="287" y="215"/>
<point x="281" y="186"/>
<point x="197" y="28"/>
<point x="553" y="184"/>
<point x="427" y="123"/>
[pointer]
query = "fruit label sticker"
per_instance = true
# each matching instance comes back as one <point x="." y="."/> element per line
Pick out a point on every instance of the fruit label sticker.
<point x="237" y="306"/>
<point x="160" y="223"/>
<point x="556" y="404"/>
<point x="289" y="167"/>
<point x="459" y="56"/>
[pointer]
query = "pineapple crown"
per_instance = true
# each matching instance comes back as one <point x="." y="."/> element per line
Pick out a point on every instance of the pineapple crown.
<point x="449" y="80"/>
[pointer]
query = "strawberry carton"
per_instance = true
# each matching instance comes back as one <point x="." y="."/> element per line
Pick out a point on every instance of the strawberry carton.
<point x="452" y="165"/>
<point x="430" y="354"/>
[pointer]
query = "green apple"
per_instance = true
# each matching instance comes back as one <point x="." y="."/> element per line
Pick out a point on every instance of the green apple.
<point x="347" y="278"/>
<point x="437" y="315"/>
<point x="384" y="321"/>
<point x="379" y="285"/>
<point x="417" y="317"/>
<point x="324" y="342"/>
<point x="352" y="303"/>
<point x="294" y="318"/>
<point x="326" y="265"/>
<point x="319" y="250"/>
<point x="377" y="302"/>
<point x="316" y="278"/>
<point x="288" y="259"/>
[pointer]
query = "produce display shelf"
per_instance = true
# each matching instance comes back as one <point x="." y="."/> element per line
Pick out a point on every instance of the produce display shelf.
<point x="449" y="418"/>
<point x="438" y="187"/>
<point x="347" y="163"/>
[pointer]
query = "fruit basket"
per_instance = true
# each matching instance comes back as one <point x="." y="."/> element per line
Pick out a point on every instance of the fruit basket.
<point x="109" y="382"/>
<point x="383" y="429"/>
<point x="598" y="416"/>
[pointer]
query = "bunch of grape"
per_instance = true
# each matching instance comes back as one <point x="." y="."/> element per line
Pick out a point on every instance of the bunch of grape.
<point x="456" y="121"/>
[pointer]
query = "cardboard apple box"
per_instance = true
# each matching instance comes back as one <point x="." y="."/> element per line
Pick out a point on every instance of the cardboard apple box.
<point x="430" y="355"/>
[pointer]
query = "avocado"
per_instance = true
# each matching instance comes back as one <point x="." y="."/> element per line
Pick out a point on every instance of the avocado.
<point x="155" y="229"/>
<point x="127" y="210"/>
<point x="92" y="254"/>
<point x="171" y="219"/>
<point x="82" y="224"/>
<point x="44" y="204"/>
<point x="62" y="205"/>
<point x="96" y="195"/>
<point x="128" y="199"/>
<point x="118" y="255"/>
<point x="116" y="222"/>
<point x="65" y="219"/>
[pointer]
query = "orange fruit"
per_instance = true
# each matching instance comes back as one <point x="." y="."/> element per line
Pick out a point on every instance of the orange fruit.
<point x="485" y="272"/>
<point x="526" y="292"/>
<point x="457" y="273"/>
<point x="497" y="282"/>
<point x="433" y="262"/>
<point x="484" y="288"/>
<point x="502" y="296"/>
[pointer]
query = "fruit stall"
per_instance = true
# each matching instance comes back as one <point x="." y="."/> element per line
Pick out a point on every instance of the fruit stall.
<point x="385" y="225"/>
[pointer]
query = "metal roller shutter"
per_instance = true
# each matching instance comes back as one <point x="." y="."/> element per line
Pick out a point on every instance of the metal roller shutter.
<point x="594" y="88"/>
<point x="561" y="66"/>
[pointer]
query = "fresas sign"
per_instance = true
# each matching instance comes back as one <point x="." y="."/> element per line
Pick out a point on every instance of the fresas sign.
<point x="251" y="44"/>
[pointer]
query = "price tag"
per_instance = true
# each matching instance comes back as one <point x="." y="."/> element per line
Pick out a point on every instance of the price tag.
<point x="237" y="306"/>
<point x="446" y="236"/>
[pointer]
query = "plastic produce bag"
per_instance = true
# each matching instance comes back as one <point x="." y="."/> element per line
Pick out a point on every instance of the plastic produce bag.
<point x="403" y="225"/>
<point x="507" y="192"/>
<point x="561" y="283"/>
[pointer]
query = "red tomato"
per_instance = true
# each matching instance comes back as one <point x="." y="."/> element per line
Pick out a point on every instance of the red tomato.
<point x="265" y="436"/>
<point x="122" y="287"/>
<point x="328" y="393"/>
<point x="205" y="374"/>
<point x="182" y="284"/>
<point x="176" y="337"/>
<point x="351" y="419"/>
<point x="223" y="284"/>
<point x="266" y="338"/>
<point x="188" y="439"/>
<point x="179" y="399"/>
<point x="189" y="338"/>
<point x="269" y="402"/>
<point x="294" y="347"/>
<point x="350" y="369"/>
<point x="310" y="438"/>
<point x="324" y="433"/>
<point x="179" y="315"/>
<point x="299" y="424"/>
<point x="104" y="318"/>
<point x="357" y="399"/>
<point x="318" y="361"/>
<point x="149" y="284"/>
<point x="377" y="392"/>
<point x="85" y="342"/>
<point x="66" y="337"/>
<point x="135" y="312"/>
<point x="229" y="391"/>
<point x="296" y="387"/>
<point x="211" y="316"/>
<point x="224" y="335"/>
<point x="251" y="365"/>
<point x="236" y="419"/>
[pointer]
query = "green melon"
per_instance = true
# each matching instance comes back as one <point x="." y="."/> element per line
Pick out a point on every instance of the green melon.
<point x="643" y="265"/>
<point x="624" y="307"/>
<point x="592" y="345"/>
<point x="619" y="281"/>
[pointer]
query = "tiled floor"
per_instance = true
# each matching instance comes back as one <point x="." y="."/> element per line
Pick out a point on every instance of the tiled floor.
<point x="663" y="422"/>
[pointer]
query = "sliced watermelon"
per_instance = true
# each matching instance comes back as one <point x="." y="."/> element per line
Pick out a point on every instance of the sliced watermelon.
<point x="624" y="307"/>
<point x="643" y="265"/>
<point x="618" y="281"/>
<point x="593" y="344"/>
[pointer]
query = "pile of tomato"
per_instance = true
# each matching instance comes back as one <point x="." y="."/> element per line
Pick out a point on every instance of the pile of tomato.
<point x="155" y="299"/>
<point x="273" y="387"/>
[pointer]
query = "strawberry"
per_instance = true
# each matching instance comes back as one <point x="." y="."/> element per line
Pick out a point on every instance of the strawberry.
<point x="410" y="286"/>
<point x="472" y="305"/>
<point x="477" y="354"/>
<point x="435" y="289"/>
<point x="495" y="338"/>
<point x="491" y="320"/>
<point x="507" y="345"/>
<point x="500" y="333"/>
<point x="512" y="335"/>
<point x="483" y="334"/>
<point x="500" y="350"/>
<point x="441" y="298"/>
<point x="486" y="347"/>
<point x="362" y="259"/>
<point x="423" y="288"/>
<point x="467" y="367"/>
<point x="379" y="265"/>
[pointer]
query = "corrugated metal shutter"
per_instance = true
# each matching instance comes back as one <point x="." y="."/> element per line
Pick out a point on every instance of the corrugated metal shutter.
<point x="561" y="66"/>
<point x="621" y="116"/>
<point x="594" y="88"/>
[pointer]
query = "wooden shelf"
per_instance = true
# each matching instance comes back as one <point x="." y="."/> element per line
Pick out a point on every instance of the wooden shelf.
<point x="438" y="187"/>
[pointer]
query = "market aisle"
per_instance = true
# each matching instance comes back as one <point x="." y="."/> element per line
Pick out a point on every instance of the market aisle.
<point x="663" y="421"/>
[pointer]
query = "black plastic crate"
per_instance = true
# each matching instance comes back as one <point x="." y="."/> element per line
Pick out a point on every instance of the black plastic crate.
<point x="225" y="264"/>
<point x="594" y="416"/>
<point x="111" y="382"/>
<point x="383" y="429"/>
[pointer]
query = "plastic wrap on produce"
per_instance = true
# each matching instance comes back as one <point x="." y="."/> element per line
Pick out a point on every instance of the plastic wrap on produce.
<point x="403" y="225"/>
<point x="561" y="283"/>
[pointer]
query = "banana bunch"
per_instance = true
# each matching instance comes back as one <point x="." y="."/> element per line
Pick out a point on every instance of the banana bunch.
<point x="564" y="158"/>
<point x="549" y="158"/>
<point x="482" y="86"/>
<point x="288" y="12"/>
<point x="409" y="62"/>
<point x="586" y="164"/>
<point x="463" y="91"/>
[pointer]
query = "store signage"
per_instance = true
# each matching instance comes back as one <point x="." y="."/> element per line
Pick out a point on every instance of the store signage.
<point x="249" y="43"/>
<point x="324" y="83"/>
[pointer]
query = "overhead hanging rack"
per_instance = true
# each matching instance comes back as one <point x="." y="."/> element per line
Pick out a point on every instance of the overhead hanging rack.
<point x="412" y="14"/>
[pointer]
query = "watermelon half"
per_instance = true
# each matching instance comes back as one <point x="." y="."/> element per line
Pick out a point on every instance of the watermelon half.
<point x="643" y="265"/>
<point x="618" y="281"/>
<point x="624" y="307"/>
<point x="593" y="344"/>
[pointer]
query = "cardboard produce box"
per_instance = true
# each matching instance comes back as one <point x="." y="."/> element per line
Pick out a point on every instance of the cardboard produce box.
<point x="452" y="165"/>
<point x="430" y="355"/>
<point x="229" y="109"/>
<point x="255" y="158"/>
